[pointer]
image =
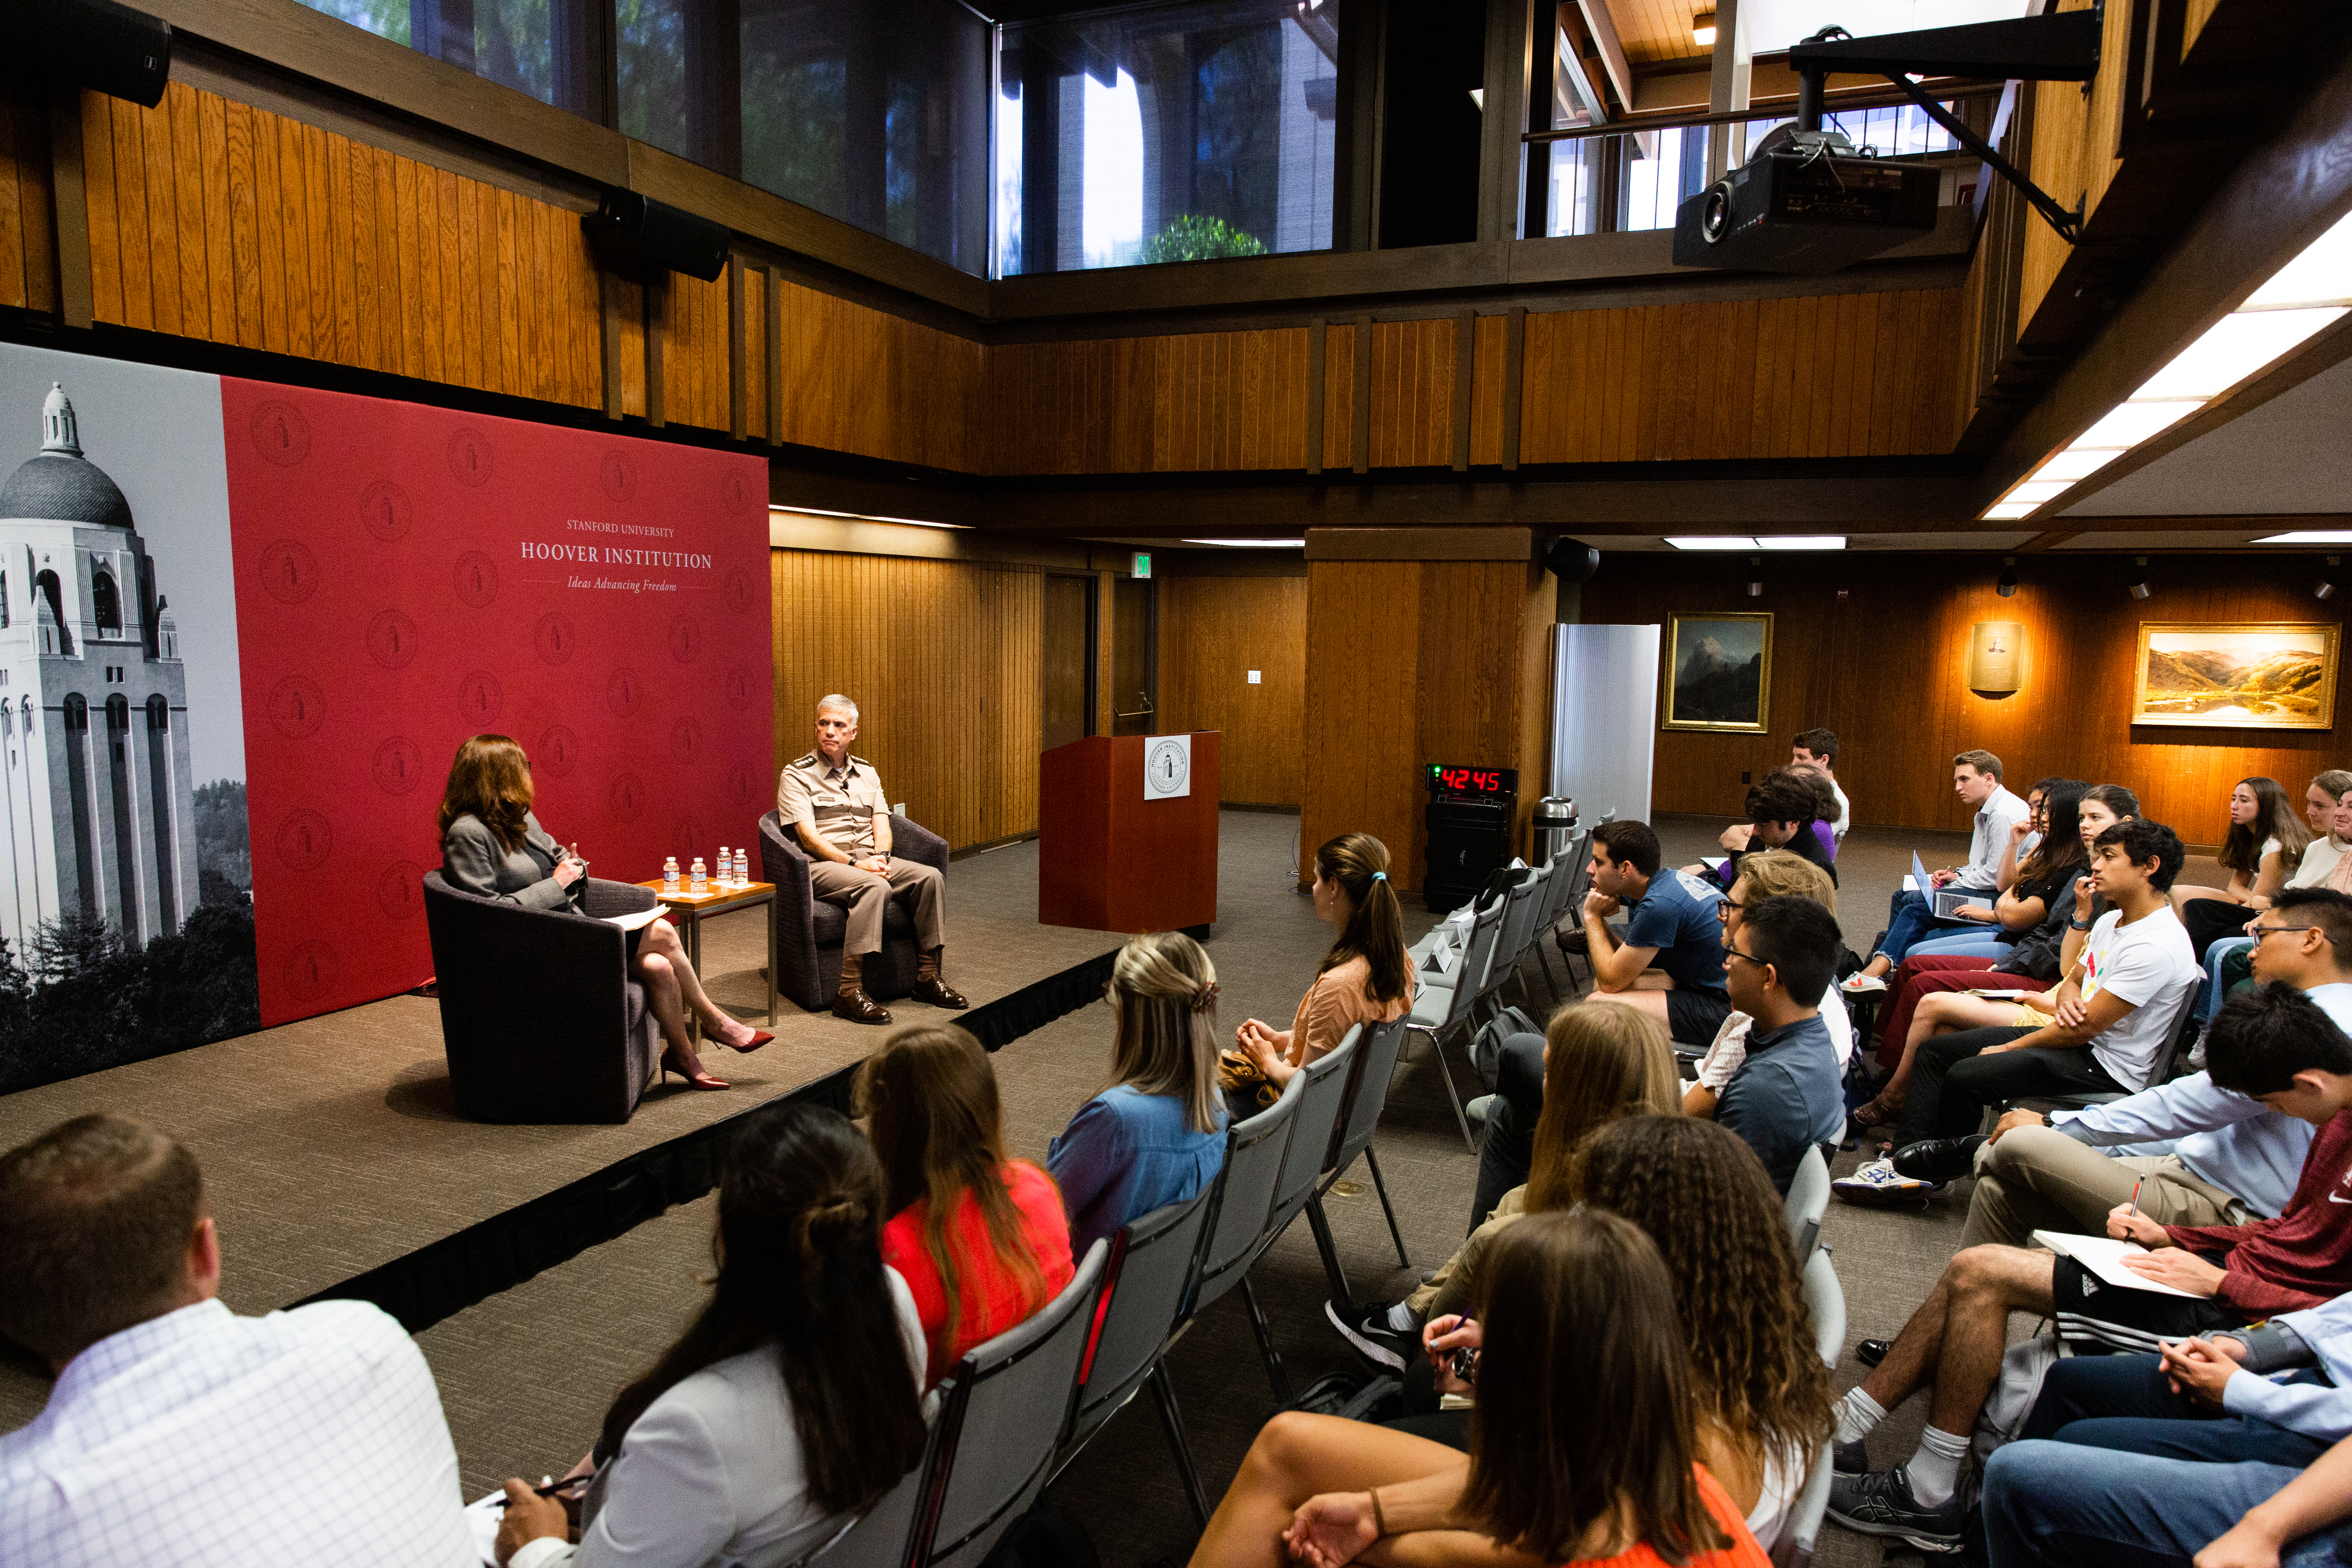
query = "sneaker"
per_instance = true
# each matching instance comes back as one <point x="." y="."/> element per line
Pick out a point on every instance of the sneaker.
<point x="1879" y="1502"/>
<point x="1850" y="1458"/>
<point x="1880" y="1184"/>
<point x="1373" y="1337"/>
<point x="1860" y="984"/>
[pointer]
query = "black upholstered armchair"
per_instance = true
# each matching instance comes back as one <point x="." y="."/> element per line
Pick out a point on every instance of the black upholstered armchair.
<point x="810" y="932"/>
<point x="539" y="1016"/>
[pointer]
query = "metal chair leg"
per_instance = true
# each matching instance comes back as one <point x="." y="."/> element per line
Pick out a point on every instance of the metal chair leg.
<point x="1171" y="1422"/>
<point x="1373" y="1161"/>
<point x="1437" y="1050"/>
<point x="1342" y="1298"/>
<point x="1557" y="995"/>
<point x="1273" y="1368"/>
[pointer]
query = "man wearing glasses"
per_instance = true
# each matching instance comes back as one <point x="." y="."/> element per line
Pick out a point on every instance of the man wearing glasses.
<point x="2197" y="1154"/>
<point x="1785" y="1098"/>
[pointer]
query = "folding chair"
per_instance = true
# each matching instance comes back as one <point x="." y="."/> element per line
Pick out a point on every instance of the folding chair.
<point x="1808" y="1201"/>
<point x="1440" y="1009"/>
<point x="1368" y="1093"/>
<point x="1320" y="1101"/>
<point x="1519" y="931"/>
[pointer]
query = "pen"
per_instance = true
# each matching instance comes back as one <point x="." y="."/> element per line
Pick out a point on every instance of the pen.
<point x="549" y="1489"/>
<point x="2134" y="1197"/>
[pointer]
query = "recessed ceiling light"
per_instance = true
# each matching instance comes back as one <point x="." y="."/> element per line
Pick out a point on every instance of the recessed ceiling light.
<point x="2071" y="464"/>
<point x="1703" y="30"/>
<point x="2003" y="510"/>
<point x="862" y="517"/>
<point x="1801" y="542"/>
<point x="2323" y="272"/>
<point x="2310" y="536"/>
<point x="1250" y="543"/>
<point x="2234" y="348"/>
<point x="2129" y="423"/>
<point x="2033" y="492"/>
<point x="1711" y="542"/>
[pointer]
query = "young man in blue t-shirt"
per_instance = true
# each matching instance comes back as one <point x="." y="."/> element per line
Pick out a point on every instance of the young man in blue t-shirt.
<point x="1670" y="961"/>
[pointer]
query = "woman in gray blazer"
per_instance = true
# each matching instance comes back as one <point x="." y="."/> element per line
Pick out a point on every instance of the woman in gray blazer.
<point x="788" y="1406"/>
<point x="493" y="846"/>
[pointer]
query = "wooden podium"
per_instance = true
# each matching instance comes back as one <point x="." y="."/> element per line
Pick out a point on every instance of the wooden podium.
<point x="1110" y="859"/>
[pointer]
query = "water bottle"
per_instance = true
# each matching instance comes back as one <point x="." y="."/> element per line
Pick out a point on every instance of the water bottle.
<point x="701" y="885"/>
<point x="669" y="875"/>
<point x="742" y="868"/>
<point x="725" y="868"/>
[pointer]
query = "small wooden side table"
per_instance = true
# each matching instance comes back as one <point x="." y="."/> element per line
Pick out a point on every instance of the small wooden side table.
<point x="718" y="901"/>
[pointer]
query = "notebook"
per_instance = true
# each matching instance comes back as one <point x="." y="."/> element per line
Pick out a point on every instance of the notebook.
<point x="2103" y="1256"/>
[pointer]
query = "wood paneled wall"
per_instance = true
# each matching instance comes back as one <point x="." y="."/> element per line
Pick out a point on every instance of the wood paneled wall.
<point x="857" y="380"/>
<point x="211" y="219"/>
<point x="1410" y="662"/>
<point x="1203" y="401"/>
<point x="945" y="661"/>
<point x="28" y="261"/>
<point x="1886" y="669"/>
<point x="1213" y="632"/>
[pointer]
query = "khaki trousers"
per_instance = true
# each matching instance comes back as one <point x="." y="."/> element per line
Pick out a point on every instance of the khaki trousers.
<point x="1448" y="1290"/>
<point x="865" y="895"/>
<point x="2037" y="1178"/>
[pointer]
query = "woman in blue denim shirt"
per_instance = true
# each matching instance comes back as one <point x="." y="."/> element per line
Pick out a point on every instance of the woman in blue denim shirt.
<point x="1157" y="1135"/>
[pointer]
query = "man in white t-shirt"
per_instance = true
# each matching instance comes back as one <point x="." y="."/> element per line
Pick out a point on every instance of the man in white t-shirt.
<point x="2127" y="978"/>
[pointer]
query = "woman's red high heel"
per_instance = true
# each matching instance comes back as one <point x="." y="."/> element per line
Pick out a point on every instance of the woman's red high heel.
<point x="670" y="1064"/>
<point x="758" y="1037"/>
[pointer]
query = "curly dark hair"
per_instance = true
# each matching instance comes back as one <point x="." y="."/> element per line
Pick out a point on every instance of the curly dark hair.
<point x="1702" y="1194"/>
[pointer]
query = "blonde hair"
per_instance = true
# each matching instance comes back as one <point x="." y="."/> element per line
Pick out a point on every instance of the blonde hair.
<point x="1601" y="1063"/>
<point x="1163" y="1004"/>
<point x="1778" y="873"/>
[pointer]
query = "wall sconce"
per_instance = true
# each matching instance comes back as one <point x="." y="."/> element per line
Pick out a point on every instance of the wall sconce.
<point x="2006" y="583"/>
<point x="2329" y="580"/>
<point x="2136" y="584"/>
<point x="1756" y="577"/>
<point x="1703" y="30"/>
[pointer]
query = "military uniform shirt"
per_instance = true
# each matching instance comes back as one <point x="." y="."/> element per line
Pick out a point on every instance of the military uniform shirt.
<point x="840" y="804"/>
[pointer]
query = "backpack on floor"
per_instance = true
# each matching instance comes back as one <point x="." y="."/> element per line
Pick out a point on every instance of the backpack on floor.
<point x="1352" y="1396"/>
<point x="2022" y="1367"/>
<point x="1486" y="1044"/>
<point x="1044" y="1537"/>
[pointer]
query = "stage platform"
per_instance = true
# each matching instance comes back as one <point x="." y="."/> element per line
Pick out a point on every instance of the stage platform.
<point x="336" y="1163"/>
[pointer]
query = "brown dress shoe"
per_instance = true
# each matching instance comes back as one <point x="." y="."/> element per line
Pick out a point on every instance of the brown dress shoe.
<point x="859" y="1008"/>
<point x="938" y="993"/>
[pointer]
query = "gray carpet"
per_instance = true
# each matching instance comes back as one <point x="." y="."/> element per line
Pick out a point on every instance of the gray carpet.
<point x="526" y="1375"/>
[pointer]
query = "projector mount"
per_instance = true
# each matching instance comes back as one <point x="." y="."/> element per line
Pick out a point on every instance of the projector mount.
<point x="2062" y="47"/>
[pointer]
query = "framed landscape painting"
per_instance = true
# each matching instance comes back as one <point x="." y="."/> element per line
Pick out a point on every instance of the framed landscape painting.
<point x="2273" y="675"/>
<point x="1719" y="673"/>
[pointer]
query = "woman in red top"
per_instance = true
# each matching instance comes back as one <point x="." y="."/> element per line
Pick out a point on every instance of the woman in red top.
<point x="1581" y="1448"/>
<point x="981" y="1240"/>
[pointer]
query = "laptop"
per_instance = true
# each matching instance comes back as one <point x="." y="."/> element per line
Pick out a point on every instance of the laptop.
<point x="1941" y="901"/>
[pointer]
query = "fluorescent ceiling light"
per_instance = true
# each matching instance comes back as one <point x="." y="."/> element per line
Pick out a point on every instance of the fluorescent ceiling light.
<point x="1250" y="543"/>
<point x="2033" y="492"/>
<point x="1757" y="541"/>
<point x="2323" y="272"/>
<point x="863" y="517"/>
<point x="2003" y="510"/>
<point x="2129" y="423"/>
<point x="2075" y="463"/>
<point x="2232" y="349"/>
<point x="2310" y="536"/>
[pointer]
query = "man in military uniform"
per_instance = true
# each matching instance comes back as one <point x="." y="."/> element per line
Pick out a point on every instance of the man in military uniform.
<point x="834" y="801"/>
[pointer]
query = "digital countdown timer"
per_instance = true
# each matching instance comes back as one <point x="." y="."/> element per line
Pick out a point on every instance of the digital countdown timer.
<point x="1473" y="781"/>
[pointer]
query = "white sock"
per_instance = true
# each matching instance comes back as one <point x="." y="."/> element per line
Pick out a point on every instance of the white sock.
<point x="1935" y="1470"/>
<point x="1857" y="1413"/>
<point x="1401" y="1318"/>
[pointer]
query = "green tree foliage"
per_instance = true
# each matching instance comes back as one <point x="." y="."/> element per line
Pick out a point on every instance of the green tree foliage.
<point x="1194" y="238"/>
<point x="224" y="848"/>
<point x="82" y="999"/>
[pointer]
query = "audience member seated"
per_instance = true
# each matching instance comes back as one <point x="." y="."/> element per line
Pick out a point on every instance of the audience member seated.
<point x="2032" y="962"/>
<point x="2026" y="880"/>
<point x="981" y="1239"/>
<point x="1819" y="749"/>
<point x="1783" y="810"/>
<point x="1366" y="977"/>
<point x="1157" y="1135"/>
<point x="493" y="846"/>
<point x="1590" y="1067"/>
<point x="177" y="1431"/>
<point x="1583" y="1448"/>
<point x="1763" y="1392"/>
<point x="2060" y="1505"/>
<point x="1910" y="914"/>
<point x="1767" y="874"/>
<point x="2262" y="847"/>
<point x="2108" y="1021"/>
<point x="789" y="1404"/>
<point x="2274" y="1045"/>
<point x="2226" y="1160"/>
<point x="2328" y="808"/>
<point x="1786" y="1096"/>
<point x="1669" y="964"/>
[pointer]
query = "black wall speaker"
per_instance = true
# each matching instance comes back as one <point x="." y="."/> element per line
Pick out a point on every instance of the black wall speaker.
<point x="641" y="239"/>
<point x="96" y="44"/>
<point x="1572" y="561"/>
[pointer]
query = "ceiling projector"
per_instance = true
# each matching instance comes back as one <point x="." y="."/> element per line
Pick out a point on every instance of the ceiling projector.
<point x="1807" y="202"/>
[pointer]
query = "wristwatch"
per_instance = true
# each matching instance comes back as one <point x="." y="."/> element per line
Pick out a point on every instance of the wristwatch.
<point x="2078" y="925"/>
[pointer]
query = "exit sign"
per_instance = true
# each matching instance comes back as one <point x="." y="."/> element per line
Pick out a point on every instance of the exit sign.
<point x="1142" y="564"/>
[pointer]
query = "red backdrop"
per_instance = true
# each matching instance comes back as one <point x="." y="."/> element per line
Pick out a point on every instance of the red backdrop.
<point x="409" y="577"/>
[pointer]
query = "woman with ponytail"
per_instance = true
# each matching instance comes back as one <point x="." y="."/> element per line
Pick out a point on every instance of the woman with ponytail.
<point x="1366" y="977"/>
<point x="1155" y="1136"/>
<point x="788" y="1406"/>
<point x="981" y="1239"/>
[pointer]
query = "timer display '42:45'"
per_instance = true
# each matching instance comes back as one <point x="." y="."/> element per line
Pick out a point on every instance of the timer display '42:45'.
<point x="1473" y="781"/>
